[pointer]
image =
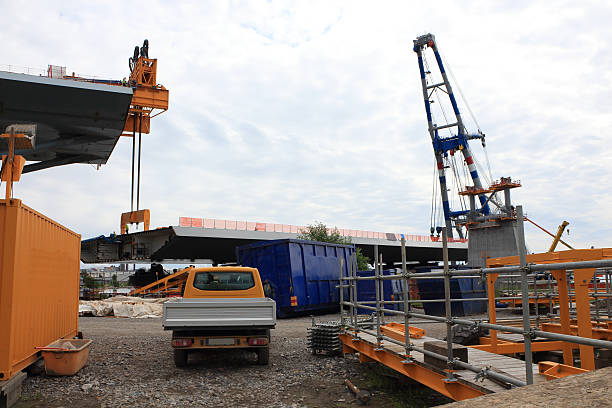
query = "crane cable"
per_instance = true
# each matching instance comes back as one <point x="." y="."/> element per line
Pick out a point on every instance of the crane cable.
<point x="437" y="96"/>
<point x="456" y="174"/>
<point x="462" y="181"/>
<point x="465" y="101"/>
<point x="484" y="147"/>
<point x="450" y="161"/>
<point x="450" y="71"/>
<point x="434" y="207"/>
<point x="436" y="211"/>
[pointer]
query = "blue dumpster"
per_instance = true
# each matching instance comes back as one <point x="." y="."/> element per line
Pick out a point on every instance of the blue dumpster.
<point x="366" y="290"/>
<point x="461" y="288"/>
<point x="301" y="276"/>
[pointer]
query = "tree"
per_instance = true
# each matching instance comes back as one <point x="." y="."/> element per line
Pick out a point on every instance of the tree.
<point x="88" y="281"/>
<point x="319" y="232"/>
<point x="114" y="281"/>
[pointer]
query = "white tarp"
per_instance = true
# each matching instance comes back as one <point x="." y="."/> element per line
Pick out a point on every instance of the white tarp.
<point x="123" y="306"/>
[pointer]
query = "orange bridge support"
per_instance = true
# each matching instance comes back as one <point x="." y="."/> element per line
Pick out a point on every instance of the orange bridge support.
<point x="457" y="390"/>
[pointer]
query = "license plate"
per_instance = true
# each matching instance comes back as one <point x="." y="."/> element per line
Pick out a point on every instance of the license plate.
<point x="220" y="342"/>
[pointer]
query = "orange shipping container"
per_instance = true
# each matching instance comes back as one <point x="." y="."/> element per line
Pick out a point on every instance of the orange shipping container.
<point x="39" y="284"/>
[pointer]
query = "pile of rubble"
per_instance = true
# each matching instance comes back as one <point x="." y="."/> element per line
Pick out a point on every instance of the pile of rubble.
<point x="123" y="306"/>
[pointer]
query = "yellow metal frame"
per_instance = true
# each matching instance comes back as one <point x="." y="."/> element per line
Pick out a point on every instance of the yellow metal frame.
<point x="12" y="165"/>
<point x="557" y="237"/>
<point x="511" y="347"/>
<point x="458" y="390"/>
<point x="135" y="217"/>
<point x="597" y="332"/>
<point x="552" y="371"/>
<point x="12" y="173"/>
<point x="167" y="284"/>
<point x="582" y="277"/>
<point x="147" y="97"/>
<point x="396" y="331"/>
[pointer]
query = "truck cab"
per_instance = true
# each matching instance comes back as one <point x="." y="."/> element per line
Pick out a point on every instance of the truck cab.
<point x="221" y="308"/>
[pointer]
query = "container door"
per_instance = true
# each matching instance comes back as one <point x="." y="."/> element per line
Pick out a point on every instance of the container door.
<point x="313" y="265"/>
<point x="328" y="271"/>
<point x="299" y="287"/>
<point x="345" y="270"/>
<point x="282" y="274"/>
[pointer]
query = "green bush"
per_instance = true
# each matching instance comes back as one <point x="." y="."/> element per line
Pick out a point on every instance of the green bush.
<point x="88" y="281"/>
<point x="318" y="232"/>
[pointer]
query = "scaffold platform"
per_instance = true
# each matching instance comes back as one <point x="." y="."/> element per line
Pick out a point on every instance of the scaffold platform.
<point x="467" y="384"/>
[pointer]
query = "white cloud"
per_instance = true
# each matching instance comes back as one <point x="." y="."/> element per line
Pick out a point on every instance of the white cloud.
<point x="291" y="112"/>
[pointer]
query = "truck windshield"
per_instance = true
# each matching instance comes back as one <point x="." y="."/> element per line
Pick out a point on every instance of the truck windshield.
<point x="223" y="280"/>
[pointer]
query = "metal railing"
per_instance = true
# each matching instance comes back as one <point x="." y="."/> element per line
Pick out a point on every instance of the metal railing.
<point x="19" y="69"/>
<point x="296" y="229"/>
<point x="44" y="72"/>
<point x="523" y="271"/>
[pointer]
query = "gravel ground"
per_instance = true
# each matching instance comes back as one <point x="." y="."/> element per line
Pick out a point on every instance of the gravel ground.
<point x="131" y="365"/>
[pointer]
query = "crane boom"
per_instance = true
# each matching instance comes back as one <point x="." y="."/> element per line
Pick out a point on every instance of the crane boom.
<point x="456" y="142"/>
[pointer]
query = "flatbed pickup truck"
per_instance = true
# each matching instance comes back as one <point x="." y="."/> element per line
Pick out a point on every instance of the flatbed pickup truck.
<point x="221" y="308"/>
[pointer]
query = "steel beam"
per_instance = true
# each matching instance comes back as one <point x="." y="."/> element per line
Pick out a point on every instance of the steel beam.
<point x="457" y="390"/>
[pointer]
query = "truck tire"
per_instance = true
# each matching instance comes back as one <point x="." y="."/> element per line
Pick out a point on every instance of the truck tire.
<point x="180" y="358"/>
<point x="263" y="356"/>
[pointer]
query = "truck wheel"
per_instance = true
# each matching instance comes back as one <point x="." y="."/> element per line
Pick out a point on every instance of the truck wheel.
<point x="263" y="356"/>
<point x="180" y="358"/>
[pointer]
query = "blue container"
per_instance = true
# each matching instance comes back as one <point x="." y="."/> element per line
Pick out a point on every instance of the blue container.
<point x="366" y="290"/>
<point x="461" y="288"/>
<point x="306" y="270"/>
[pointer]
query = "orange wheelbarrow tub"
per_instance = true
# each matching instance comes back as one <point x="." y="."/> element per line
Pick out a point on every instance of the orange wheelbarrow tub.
<point x="65" y="356"/>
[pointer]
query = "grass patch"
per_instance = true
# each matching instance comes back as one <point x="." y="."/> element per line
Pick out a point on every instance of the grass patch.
<point x="404" y="392"/>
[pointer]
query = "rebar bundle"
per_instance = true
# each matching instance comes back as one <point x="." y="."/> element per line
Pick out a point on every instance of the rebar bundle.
<point x="323" y="336"/>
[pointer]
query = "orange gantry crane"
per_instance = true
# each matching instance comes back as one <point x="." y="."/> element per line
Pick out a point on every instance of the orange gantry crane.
<point x="149" y="100"/>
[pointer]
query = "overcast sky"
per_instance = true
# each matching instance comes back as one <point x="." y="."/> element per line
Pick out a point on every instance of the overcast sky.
<point x="291" y="112"/>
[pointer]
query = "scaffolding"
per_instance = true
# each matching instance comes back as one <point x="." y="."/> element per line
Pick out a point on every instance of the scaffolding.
<point x="576" y="325"/>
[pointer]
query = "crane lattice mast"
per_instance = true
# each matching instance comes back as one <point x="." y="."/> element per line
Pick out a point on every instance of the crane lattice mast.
<point x="456" y="142"/>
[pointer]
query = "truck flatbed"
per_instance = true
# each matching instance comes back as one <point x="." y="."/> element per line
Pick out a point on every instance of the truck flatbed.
<point x="201" y="313"/>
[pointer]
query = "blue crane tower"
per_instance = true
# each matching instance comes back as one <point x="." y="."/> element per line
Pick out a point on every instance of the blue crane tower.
<point x="451" y="138"/>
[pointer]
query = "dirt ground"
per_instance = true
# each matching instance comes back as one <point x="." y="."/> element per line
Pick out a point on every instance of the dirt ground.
<point x="131" y="365"/>
<point x="585" y="390"/>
